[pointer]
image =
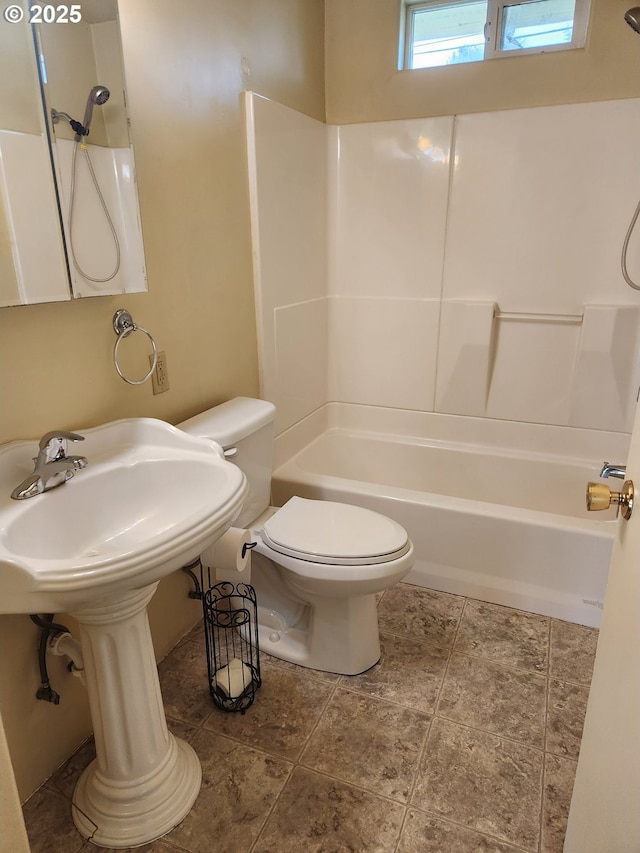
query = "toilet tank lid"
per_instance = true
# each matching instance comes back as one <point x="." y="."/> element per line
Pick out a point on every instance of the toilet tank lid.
<point x="232" y="421"/>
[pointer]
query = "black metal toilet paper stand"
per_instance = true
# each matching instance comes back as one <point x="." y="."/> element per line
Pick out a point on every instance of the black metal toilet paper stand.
<point x="231" y="641"/>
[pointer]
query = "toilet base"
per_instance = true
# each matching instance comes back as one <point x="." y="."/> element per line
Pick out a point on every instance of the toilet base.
<point x="334" y="635"/>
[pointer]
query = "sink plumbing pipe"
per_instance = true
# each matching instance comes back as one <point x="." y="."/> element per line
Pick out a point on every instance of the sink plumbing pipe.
<point x="65" y="644"/>
<point x="46" y="691"/>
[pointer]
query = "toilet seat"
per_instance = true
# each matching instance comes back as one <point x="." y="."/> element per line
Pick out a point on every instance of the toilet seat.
<point x="334" y="533"/>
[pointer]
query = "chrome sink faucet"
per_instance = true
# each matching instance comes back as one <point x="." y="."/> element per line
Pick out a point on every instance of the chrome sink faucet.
<point x="609" y="470"/>
<point x="52" y="465"/>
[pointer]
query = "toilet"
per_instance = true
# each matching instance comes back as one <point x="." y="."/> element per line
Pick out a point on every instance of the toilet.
<point x="317" y="565"/>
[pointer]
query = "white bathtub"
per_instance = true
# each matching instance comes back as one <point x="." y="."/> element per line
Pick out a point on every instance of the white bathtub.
<point x="495" y="509"/>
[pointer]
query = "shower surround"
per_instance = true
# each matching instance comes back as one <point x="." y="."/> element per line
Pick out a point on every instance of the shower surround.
<point x="465" y="266"/>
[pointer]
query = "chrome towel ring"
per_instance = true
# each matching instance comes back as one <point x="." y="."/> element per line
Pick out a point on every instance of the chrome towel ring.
<point x="124" y="326"/>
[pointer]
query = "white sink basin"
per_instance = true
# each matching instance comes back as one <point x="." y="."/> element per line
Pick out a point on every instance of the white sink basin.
<point x="149" y="501"/>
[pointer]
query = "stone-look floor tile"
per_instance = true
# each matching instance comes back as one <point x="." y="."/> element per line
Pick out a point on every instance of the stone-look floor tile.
<point x="47" y="816"/>
<point x="185" y="684"/>
<point x="504" y="635"/>
<point x="180" y="729"/>
<point x="368" y="742"/>
<point x="475" y="792"/>
<point x="420" y="614"/>
<point x="283" y="715"/>
<point x="559" y="775"/>
<point x="333" y="677"/>
<point x="565" y="718"/>
<point x="573" y="650"/>
<point x="426" y="834"/>
<point x="498" y="699"/>
<point x="239" y="788"/>
<point x="65" y="778"/>
<point x="408" y="672"/>
<point x="158" y="846"/>
<point x="316" y="814"/>
<point x="481" y="781"/>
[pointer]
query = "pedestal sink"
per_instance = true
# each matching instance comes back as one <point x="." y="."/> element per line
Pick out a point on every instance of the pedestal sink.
<point x="149" y="501"/>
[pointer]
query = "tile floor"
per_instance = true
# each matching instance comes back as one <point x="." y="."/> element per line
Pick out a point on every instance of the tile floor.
<point x="462" y="739"/>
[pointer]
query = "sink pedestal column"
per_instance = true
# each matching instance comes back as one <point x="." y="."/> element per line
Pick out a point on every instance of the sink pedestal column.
<point x="143" y="781"/>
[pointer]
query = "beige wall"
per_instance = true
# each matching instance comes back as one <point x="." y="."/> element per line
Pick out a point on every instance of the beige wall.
<point x="186" y="64"/>
<point x="363" y="83"/>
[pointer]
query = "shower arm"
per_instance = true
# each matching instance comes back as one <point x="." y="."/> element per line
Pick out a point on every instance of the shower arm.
<point x="78" y="128"/>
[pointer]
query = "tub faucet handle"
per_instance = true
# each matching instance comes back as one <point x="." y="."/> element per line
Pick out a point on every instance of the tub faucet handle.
<point x="609" y="470"/>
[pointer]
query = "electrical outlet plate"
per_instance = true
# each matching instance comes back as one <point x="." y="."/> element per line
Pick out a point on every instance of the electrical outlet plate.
<point x="160" y="376"/>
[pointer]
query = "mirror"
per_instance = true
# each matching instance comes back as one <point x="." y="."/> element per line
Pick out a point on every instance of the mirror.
<point x="33" y="265"/>
<point x="72" y="77"/>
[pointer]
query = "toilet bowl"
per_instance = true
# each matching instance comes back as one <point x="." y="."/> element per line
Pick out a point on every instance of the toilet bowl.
<point x="317" y="565"/>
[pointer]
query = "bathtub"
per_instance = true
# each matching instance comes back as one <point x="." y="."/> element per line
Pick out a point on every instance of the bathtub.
<point x="495" y="509"/>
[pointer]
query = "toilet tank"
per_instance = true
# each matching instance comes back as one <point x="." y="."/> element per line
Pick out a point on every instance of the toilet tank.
<point x="246" y="425"/>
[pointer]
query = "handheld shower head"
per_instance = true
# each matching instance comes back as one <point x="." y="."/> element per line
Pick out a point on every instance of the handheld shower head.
<point x="99" y="95"/>
<point x="632" y="17"/>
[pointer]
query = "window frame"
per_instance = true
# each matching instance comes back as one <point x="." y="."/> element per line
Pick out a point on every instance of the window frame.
<point x="492" y="29"/>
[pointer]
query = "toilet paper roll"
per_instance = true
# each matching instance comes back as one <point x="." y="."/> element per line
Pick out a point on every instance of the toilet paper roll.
<point x="229" y="556"/>
<point x="234" y="678"/>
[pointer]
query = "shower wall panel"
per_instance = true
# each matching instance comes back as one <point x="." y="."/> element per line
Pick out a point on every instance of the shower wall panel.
<point x="93" y="241"/>
<point x="287" y="157"/>
<point x="516" y="231"/>
<point x="540" y="202"/>
<point x="467" y="264"/>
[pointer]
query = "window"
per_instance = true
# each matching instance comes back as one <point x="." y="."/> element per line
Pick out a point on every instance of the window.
<point x="446" y="32"/>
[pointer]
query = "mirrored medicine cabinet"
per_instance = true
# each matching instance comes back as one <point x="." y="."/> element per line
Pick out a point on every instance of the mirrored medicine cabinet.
<point x="69" y="216"/>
